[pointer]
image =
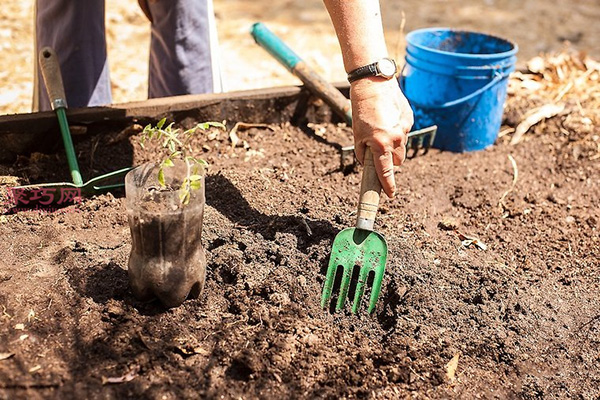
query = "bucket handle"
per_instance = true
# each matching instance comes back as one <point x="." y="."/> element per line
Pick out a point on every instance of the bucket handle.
<point x="497" y="78"/>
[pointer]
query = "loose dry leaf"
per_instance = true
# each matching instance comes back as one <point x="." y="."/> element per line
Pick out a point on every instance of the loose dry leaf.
<point x="537" y="115"/>
<point x="452" y="366"/>
<point x="122" y="379"/>
<point x="235" y="139"/>
<point x="35" y="369"/>
<point x="471" y="240"/>
<point x="6" y="356"/>
<point x="188" y="351"/>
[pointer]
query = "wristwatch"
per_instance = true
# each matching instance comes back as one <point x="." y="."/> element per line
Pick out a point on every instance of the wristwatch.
<point x="385" y="68"/>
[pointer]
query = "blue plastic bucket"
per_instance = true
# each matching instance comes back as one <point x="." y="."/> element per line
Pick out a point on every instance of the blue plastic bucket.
<point x="457" y="80"/>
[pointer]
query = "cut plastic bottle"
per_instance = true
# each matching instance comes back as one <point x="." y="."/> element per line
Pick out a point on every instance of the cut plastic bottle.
<point x="167" y="259"/>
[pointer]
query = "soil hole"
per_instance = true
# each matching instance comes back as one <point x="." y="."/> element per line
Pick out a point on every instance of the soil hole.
<point x="229" y="276"/>
<point x="218" y="242"/>
<point x="239" y="371"/>
<point x="353" y="283"/>
<point x="335" y="292"/>
<point x="368" y="288"/>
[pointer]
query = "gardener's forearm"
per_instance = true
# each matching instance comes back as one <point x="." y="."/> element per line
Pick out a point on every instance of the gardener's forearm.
<point x="359" y="30"/>
<point x="381" y="116"/>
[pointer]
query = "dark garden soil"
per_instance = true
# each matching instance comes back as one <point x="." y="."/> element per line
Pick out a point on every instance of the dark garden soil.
<point x="521" y="318"/>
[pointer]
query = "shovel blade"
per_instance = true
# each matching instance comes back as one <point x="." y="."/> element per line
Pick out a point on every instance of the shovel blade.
<point x="355" y="247"/>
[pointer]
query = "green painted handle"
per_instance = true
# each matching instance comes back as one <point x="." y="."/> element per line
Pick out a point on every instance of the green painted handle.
<point x="275" y="46"/>
<point x="54" y="86"/>
<point x="313" y="81"/>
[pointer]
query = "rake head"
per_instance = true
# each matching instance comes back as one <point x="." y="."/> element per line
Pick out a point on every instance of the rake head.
<point x="418" y="143"/>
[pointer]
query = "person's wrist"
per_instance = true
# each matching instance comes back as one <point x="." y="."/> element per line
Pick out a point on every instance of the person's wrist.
<point x="370" y="80"/>
<point x="372" y="85"/>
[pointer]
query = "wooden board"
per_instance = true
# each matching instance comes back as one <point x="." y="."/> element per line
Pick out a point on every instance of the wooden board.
<point x="25" y="133"/>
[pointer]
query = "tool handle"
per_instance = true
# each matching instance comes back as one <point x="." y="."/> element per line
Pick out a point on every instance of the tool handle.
<point x="370" y="192"/>
<point x="52" y="78"/>
<point x="274" y="46"/>
<point x="313" y="81"/>
<point x="56" y="92"/>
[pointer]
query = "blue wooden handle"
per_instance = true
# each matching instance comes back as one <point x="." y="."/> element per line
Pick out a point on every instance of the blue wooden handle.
<point x="270" y="42"/>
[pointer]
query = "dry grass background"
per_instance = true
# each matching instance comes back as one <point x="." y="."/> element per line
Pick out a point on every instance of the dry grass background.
<point x="536" y="25"/>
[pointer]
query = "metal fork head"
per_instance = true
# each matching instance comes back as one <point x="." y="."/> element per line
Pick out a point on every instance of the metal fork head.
<point x="421" y="139"/>
<point x="355" y="247"/>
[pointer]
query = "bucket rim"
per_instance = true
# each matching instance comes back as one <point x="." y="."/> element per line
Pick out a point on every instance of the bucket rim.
<point x="505" y="54"/>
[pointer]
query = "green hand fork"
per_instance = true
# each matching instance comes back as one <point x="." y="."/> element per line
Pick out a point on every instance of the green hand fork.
<point x="54" y="85"/>
<point x="359" y="247"/>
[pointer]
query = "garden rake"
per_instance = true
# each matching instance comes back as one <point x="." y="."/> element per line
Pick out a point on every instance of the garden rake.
<point x="419" y="141"/>
<point x="54" y="85"/>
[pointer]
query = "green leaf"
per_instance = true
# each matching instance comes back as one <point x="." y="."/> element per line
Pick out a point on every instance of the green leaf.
<point x="175" y="142"/>
<point x="190" y="131"/>
<point x="205" y="125"/>
<point x="195" y="185"/>
<point x="196" y="160"/>
<point x="184" y="196"/>
<point x="161" y="177"/>
<point x="167" y="163"/>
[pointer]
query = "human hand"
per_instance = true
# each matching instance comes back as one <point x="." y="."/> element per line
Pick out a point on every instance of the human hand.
<point x="381" y="119"/>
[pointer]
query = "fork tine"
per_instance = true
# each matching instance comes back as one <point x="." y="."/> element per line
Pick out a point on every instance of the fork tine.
<point x="344" y="286"/>
<point x="376" y="288"/>
<point x="360" y="288"/>
<point x="329" y="279"/>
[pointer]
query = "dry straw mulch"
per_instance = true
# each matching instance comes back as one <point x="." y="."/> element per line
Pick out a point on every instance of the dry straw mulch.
<point x="557" y="91"/>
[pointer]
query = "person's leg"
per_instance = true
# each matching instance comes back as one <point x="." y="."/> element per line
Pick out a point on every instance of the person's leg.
<point x="180" y="56"/>
<point x="76" y="32"/>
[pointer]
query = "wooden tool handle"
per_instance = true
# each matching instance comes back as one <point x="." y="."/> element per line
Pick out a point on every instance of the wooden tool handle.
<point x="52" y="78"/>
<point x="324" y="90"/>
<point x="370" y="191"/>
<point x="292" y="61"/>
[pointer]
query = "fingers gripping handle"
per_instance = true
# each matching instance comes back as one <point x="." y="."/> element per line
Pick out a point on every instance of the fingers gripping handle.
<point x="370" y="191"/>
<point x="52" y="78"/>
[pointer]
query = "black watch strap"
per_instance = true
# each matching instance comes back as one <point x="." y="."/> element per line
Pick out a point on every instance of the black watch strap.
<point x="374" y="70"/>
<point x="362" y="72"/>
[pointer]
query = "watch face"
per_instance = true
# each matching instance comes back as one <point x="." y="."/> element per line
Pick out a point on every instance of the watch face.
<point x="387" y="67"/>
